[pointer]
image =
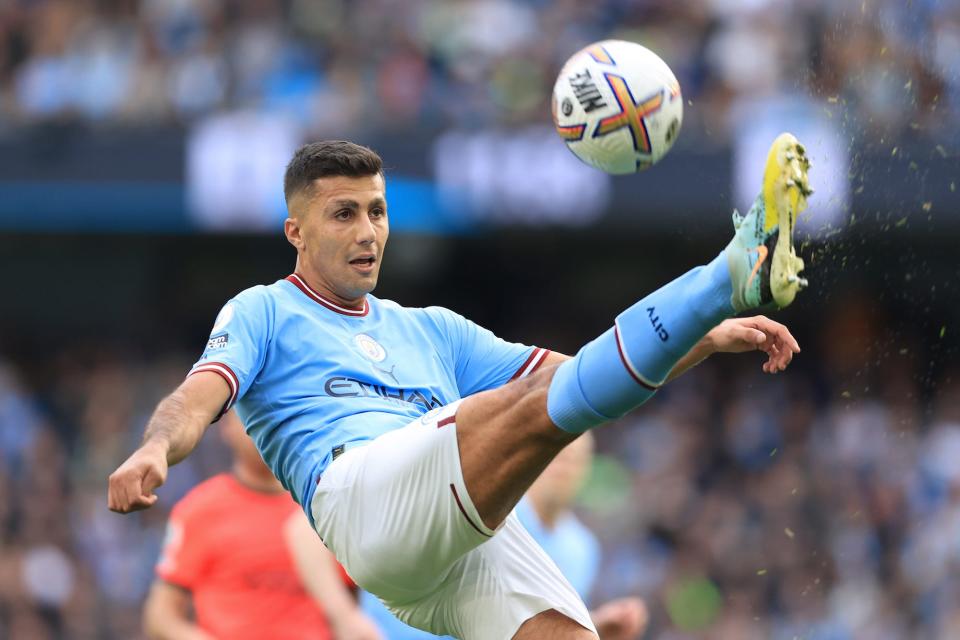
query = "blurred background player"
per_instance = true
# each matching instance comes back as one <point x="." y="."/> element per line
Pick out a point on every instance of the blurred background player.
<point x="228" y="557"/>
<point x="546" y="512"/>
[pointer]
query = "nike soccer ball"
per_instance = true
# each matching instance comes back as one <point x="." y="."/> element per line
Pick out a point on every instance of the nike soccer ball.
<point x="618" y="106"/>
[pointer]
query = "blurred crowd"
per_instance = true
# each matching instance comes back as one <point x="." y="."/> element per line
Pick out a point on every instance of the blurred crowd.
<point x="787" y="507"/>
<point x="69" y="568"/>
<point x="341" y="66"/>
<point x="821" y="503"/>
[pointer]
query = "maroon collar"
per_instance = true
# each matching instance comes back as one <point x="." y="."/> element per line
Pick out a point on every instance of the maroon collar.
<point x="301" y="284"/>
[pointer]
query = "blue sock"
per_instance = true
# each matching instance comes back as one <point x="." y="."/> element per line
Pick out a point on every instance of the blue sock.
<point x="624" y="366"/>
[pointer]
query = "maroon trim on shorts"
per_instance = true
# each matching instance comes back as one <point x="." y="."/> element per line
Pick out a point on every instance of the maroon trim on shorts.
<point x="446" y="421"/>
<point x="456" y="497"/>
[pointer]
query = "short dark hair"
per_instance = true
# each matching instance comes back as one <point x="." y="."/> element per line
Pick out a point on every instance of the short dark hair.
<point x="328" y="158"/>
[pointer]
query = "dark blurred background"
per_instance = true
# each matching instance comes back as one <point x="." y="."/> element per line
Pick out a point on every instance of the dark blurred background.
<point x="142" y="146"/>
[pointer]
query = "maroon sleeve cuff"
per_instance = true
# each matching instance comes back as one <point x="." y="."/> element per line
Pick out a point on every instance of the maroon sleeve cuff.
<point x="229" y="377"/>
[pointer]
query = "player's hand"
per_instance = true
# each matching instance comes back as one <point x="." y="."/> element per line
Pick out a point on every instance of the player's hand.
<point x="356" y="626"/>
<point x="131" y="486"/>
<point x="757" y="333"/>
<point x="622" y="619"/>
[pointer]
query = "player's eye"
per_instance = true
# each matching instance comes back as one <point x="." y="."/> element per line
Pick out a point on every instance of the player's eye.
<point x="343" y="214"/>
<point x="377" y="213"/>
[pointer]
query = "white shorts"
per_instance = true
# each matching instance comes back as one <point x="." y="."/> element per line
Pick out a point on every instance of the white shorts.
<point x="397" y="515"/>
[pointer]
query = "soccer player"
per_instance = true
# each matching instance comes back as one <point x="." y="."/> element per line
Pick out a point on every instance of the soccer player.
<point x="408" y="435"/>
<point x="226" y="556"/>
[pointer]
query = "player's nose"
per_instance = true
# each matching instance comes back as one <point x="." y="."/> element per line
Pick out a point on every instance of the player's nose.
<point x="366" y="230"/>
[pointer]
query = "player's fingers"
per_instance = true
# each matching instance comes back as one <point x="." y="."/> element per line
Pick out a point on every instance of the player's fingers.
<point x="776" y="350"/>
<point x="143" y="502"/>
<point x="121" y="504"/>
<point x="111" y="498"/>
<point x="787" y="343"/>
<point x="136" y="499"/>
<point x="788" y="355"/>
<point x="777" y="329"/>
<point x="152" y="479"/>
<point x="117" y="492"/>
<point x="749" y="336"/>
<point x="791" y="340"/>
<point x="129" y="492"/>
<point x="773" y="353"/>
<point x="781" y="352"/>
<point x="775" y="363"/>
<point x="145" y="497"/>
<point x="784" y="358"/>
<point x="783" y="335"/>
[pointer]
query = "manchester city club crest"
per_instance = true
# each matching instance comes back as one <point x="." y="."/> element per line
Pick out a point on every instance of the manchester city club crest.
<point x="370" y="348"/>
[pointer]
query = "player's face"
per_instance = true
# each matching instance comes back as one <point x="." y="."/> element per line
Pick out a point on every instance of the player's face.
<point x="343" y="231"/>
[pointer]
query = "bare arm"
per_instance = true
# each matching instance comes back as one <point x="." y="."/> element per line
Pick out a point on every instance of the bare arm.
<point x="166" y="614"/>
<point x="320" y="575"/>
<point x="736" y="335"/>
<point x="181" y="418"/>
<point x="174" y="430"/>
<point x="700" y="352"/>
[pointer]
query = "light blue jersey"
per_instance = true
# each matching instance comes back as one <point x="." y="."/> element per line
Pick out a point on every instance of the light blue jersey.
<point x="569" y="543"/>
<point x="308" y="375"/>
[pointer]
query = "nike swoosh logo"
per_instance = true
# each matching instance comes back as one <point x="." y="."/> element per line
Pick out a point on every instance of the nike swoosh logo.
<point x="762" y="252"/>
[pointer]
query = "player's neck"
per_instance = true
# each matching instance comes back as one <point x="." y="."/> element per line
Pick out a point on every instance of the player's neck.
<point x="319" y="285"/>
<point x="255" y="480"/>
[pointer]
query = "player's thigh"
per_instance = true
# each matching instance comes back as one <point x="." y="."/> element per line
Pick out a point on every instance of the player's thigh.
<point x="506" y="440"/>
<point x="553" y="624"/>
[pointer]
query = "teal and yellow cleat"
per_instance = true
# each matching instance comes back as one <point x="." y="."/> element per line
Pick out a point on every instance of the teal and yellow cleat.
<point x="764" y="268"/>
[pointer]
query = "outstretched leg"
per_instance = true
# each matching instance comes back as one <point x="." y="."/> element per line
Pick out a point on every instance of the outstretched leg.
<point x="506" y="440"/>
<point x="509" y="435"/>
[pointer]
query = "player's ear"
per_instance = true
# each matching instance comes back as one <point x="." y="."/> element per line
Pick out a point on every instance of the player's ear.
<point x="291" y="229"/>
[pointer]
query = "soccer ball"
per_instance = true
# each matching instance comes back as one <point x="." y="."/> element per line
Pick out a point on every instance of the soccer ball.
<point x="618" y="106"/>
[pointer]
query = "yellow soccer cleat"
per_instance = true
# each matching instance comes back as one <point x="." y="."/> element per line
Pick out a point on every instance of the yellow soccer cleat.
<point x="764" y="268"/>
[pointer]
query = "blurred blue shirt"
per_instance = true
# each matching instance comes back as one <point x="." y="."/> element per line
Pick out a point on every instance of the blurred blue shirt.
<point x="569" y="543"/>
